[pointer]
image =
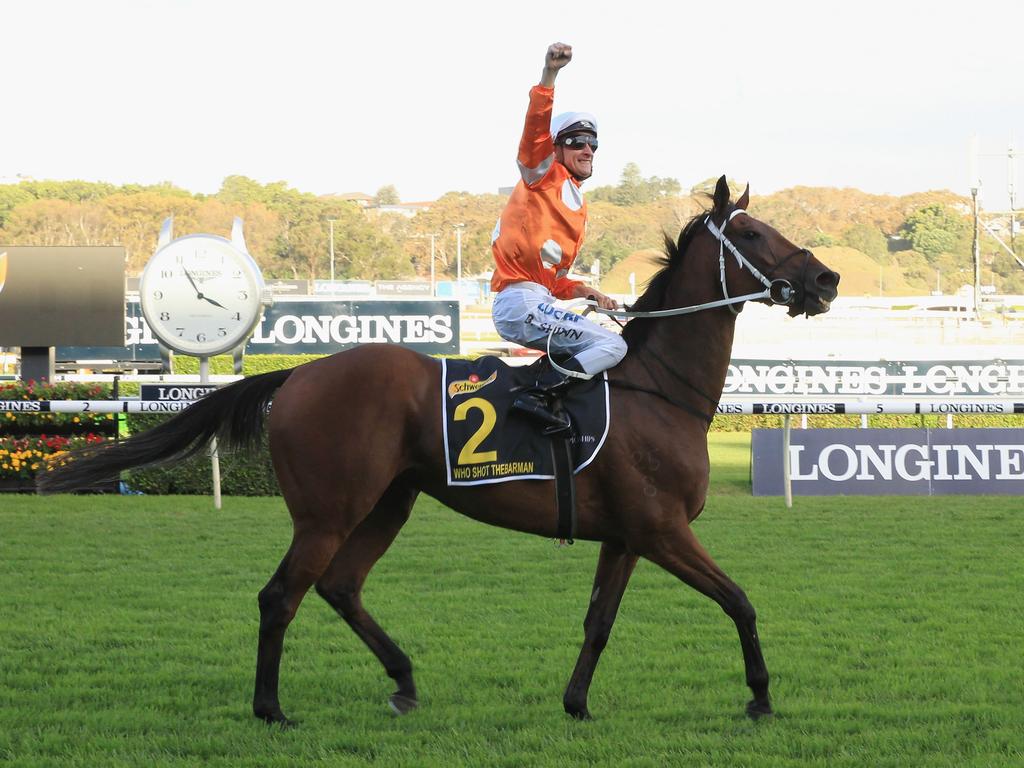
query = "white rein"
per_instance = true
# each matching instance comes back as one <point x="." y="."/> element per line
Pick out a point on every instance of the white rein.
<point x="786" y="292"/>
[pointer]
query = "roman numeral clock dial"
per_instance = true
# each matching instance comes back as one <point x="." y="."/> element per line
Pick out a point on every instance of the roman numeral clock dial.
<point x="202" y="295"/>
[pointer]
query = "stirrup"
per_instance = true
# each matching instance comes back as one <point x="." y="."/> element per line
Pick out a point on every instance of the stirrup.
<point x="534" y="404"/>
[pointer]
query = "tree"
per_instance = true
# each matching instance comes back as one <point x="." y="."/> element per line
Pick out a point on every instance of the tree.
<point x="934" y="230"/>
<point x="478" y="213"/>
<point x="633" y="189"/>
<point x="387" y="195"/>
<point x="868" y="240"/>
<point x="11" y="196"/>
<point x="707" y="187"/>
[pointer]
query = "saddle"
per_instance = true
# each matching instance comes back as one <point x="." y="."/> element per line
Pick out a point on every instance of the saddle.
<point x="489" y="441"/>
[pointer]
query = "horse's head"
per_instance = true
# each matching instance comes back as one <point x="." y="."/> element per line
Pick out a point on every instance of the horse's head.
<point x="754" y="258"/>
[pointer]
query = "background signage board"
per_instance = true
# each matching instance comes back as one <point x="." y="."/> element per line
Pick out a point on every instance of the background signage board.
<point x="897" y="462"/>
<point x="288" y="287"/>
<point x="343" y="288"/>
<point x="402" y="288"/>
<point x="866" y="378"/>
<point x="61" y="295"/>
<point x="311" y="326"/>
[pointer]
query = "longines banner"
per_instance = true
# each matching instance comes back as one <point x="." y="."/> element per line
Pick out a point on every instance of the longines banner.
<point x="312" y="327"/>
<point x="957" y="378"/>
<point x="898" y="462"/>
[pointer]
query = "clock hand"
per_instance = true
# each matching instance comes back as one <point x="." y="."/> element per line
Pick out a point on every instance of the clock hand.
<point x="199" y="293"/>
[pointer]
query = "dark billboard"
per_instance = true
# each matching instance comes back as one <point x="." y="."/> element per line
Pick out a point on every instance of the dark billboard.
<point x="61" y="295"/>
<point x="311" y="326"/>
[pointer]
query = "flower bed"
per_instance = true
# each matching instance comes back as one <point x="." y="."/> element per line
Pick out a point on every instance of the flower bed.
<point x="21" y="458"/>
<point x="28" y="439"/>
<point x="24" y="422"/>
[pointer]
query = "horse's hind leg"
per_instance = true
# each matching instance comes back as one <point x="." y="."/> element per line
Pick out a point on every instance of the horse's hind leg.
<point x="342" y="583"/>
<point x="308" y="556"/>
<point x="682" y="555"/>
<point x="614" y="568"/>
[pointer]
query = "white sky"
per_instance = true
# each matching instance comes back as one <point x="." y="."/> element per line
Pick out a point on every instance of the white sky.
<point x="430" y="96"/>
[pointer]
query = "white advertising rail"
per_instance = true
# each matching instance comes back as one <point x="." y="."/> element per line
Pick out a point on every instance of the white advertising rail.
<point x="728" y="407"/>
<point x="901" y="405"/>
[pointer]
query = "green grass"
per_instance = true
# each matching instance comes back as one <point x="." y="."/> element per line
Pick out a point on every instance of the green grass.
<point x="891" y="627"/>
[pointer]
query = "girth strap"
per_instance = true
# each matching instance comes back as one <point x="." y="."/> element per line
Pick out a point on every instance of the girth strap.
<point x="565" y="482"/>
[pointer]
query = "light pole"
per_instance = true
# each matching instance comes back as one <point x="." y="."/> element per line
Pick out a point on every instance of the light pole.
<point x="458" y="258"/>
<point x="331" y="222"/>
<point x="976" y="253"/>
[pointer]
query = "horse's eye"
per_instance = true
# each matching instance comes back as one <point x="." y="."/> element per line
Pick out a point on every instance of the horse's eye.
<point x="749" y="234"/>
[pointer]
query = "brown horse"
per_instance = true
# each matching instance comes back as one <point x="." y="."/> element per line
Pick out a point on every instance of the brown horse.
<point x="350" y="475"/>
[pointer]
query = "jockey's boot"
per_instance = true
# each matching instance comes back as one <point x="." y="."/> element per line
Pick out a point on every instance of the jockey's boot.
<point x="537" y="401"/>
<point x="537" y="405"/>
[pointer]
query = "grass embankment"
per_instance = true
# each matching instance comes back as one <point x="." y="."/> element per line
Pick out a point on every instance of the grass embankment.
<point x="890" y="627"/>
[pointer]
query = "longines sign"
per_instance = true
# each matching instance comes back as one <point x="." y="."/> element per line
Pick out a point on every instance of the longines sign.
<point x="314" y="327"/>
<point x="959" y="378"/>
<point x="903" y="462"/>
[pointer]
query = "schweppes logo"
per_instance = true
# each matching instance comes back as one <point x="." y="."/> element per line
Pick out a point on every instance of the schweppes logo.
<point x="472" y="384"/>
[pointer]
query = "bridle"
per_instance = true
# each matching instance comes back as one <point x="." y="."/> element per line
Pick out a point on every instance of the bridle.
<point x="777" y="290"/>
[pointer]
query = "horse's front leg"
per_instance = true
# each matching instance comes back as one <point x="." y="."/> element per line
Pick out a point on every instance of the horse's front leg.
<point x="614" y="568"/>
<point x="682" y="555"/>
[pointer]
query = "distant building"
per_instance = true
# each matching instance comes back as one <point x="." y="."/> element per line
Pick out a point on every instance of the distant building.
<point x="359" y="198"/>
<point x="403" y="209"/>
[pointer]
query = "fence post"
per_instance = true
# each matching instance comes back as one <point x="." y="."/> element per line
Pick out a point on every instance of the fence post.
<point x="787" y="480"/>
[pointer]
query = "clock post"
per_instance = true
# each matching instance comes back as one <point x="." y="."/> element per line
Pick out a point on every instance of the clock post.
<point x="204" y="378"/>
<point x="203" y="295"/>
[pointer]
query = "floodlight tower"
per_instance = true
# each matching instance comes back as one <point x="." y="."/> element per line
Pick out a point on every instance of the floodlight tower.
<point x="1010" y="188"/>
<point x="975" y="183"/>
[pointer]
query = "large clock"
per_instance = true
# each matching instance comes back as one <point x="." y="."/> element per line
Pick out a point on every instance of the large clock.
<point x="202" y="295"/>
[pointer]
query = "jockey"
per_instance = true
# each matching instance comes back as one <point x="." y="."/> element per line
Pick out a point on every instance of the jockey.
<point x="538" y="237"/>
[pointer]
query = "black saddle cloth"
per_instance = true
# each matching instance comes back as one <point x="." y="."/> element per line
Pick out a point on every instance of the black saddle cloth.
<point x="487" y="442"/>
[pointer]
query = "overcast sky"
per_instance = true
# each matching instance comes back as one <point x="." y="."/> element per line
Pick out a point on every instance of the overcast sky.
<point x="430" y="96"/>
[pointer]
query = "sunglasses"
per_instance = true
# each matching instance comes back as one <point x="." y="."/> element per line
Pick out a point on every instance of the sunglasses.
<point x="577" y="142"/>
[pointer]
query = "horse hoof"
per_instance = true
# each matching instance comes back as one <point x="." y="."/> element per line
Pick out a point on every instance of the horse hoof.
<point x="278" y="719"/>
<point x="578" y="713"/>
<point x="758" y="709"/>
<point x="402" y="705"/>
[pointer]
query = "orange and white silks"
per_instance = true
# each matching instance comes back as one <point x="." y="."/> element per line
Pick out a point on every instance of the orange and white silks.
<point x="541" y="229"/>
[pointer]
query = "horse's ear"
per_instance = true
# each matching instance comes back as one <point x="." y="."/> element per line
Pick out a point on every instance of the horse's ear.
<point x="721" y="194"/>
<point x="744" y="200"/>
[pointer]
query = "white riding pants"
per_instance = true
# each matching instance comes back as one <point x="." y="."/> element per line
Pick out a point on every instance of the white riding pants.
<point x="526" y="314"/>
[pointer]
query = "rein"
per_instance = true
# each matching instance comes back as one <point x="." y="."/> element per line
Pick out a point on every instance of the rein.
<point x="777" y="291"/>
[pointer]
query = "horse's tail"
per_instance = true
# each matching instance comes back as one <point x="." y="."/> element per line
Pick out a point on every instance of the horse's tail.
<point x="234" y="415"/>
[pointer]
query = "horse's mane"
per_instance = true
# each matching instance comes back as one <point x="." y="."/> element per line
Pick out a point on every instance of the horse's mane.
<point x="653" y="297"/>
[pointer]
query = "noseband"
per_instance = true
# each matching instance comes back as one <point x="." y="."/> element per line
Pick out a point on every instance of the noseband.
<point x="778" y="291"/>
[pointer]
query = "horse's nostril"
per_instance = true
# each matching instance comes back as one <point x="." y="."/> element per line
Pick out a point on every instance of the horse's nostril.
<point x="827" y="281"/>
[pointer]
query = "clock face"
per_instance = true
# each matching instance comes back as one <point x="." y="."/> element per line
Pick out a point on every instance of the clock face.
<point x="200" y="295"/>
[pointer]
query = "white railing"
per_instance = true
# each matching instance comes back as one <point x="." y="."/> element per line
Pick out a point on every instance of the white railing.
<point x="728" y="407"/>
